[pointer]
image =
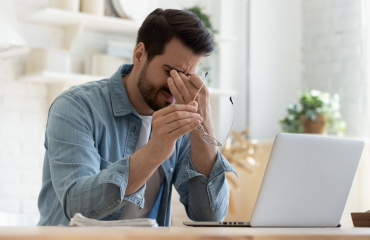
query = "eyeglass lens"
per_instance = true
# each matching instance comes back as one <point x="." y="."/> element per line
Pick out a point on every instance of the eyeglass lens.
<point x="207" y="138"/>
<point x="211" y="140"/>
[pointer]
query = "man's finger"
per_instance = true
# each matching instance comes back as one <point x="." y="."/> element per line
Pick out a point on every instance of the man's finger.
<point x="180" y="85"/>
<point x="176" y="134"/>
<point x="175" y="92"/>
<point x="194" y="103"/>
<point x="178" y="115"/>
<point x="180" y="123"/>
<point x="176" y="107"/>
<point x="196" y="80"/>
<point x="191" y="88"/>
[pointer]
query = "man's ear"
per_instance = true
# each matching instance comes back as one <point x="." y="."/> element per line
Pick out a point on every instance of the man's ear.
<point x="139" y="56"/>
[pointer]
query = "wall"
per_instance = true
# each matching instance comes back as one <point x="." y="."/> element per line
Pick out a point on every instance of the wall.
<point x="333" y="56"/>
<point x="22" y="118"/>
<point x="229" y="61"/>
<point x="232" y="65"/>
<point x="275" y="63"/>
<point x="24" y="107"/>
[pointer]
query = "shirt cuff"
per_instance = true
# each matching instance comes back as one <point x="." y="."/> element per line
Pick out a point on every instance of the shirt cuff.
<point x="118" y="174"/>
<point x="220" y="166"/>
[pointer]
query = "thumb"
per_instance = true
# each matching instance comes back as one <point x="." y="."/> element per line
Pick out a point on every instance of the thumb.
<point x="193" y="103"/>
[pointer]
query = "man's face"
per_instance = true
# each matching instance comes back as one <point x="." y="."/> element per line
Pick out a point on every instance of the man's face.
<point x="152" y="82"/>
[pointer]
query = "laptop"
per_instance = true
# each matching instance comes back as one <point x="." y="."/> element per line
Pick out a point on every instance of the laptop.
<point x="306" y="183"/>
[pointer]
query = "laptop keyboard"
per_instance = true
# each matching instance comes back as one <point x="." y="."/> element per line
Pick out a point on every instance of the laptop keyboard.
<point x="234" y="223"/>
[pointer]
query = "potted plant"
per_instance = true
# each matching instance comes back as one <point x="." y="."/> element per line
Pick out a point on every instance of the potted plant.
<point x="316" y="112"/>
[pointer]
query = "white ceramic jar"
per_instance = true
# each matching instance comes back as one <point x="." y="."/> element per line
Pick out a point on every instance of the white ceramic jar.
<point x="95" y="7"/>
<point x="103" y="65"/>
<point x="70" y="5"/>
<point x="48" y="59"/>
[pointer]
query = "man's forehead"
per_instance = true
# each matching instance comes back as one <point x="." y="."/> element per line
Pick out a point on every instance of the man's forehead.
<point x="180" y="57"/>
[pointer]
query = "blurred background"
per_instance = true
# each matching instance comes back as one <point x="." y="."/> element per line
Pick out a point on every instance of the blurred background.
<point x="290" y="65"/>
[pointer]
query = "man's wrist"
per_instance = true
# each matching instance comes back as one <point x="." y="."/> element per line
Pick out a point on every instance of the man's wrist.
<point x="153" y="154"/>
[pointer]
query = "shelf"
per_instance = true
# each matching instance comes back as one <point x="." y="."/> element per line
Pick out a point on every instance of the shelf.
<point x="14" y="52"/>
<point x="64" y="18"/>
<point x="55" y="77"/>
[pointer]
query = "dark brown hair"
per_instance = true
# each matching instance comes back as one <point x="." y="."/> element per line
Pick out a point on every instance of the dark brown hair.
<point x="161" y="26"/>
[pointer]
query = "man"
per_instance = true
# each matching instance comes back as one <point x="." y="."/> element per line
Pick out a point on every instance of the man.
<point x="114" y="147"/>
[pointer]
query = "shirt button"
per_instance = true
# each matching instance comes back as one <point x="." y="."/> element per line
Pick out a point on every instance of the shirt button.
<point x="171" y="170"/>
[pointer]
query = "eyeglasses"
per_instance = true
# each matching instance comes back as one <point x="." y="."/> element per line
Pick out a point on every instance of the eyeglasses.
<point x="206" y="137"/>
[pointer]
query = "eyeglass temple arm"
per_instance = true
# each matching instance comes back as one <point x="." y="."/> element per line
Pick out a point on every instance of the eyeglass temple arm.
<point x="233" y="120"/>
<point x="230" y="101"/>
<point x="201" y="86"/>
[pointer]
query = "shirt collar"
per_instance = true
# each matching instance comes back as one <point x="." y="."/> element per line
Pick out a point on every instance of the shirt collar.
<point x="121" y="105"/>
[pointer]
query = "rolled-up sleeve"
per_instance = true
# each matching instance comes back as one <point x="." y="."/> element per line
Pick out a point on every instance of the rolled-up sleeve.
<point x="80" y="184"/>
<point x="205" y="199"/>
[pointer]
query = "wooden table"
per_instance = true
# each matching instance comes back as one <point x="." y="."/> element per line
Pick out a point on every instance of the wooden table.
<point x="179" y="233"/>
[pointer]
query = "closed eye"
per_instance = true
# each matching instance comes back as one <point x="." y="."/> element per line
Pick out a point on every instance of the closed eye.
<point x="187" y="75"/>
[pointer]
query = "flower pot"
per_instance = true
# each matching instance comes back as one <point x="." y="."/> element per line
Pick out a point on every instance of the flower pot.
<point x="317" y="126"/>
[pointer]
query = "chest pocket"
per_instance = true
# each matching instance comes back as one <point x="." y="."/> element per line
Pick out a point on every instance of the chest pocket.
<point x="104" y="163"/>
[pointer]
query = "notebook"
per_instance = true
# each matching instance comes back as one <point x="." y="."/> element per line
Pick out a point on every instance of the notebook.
<point x="79" y="220"/>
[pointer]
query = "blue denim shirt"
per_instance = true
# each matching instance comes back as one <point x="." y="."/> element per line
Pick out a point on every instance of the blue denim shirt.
<point x="91" y="133"/>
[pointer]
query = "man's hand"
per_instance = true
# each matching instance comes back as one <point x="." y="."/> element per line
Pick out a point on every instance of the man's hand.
<point x="184" y="89"/>
<point x="169" y="124"/>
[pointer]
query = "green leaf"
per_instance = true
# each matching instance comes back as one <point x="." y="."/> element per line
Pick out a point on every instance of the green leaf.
<point x="312" y="103"/>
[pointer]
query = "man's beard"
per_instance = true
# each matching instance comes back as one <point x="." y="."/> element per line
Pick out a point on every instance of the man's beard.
<point x="149" y="92"/>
